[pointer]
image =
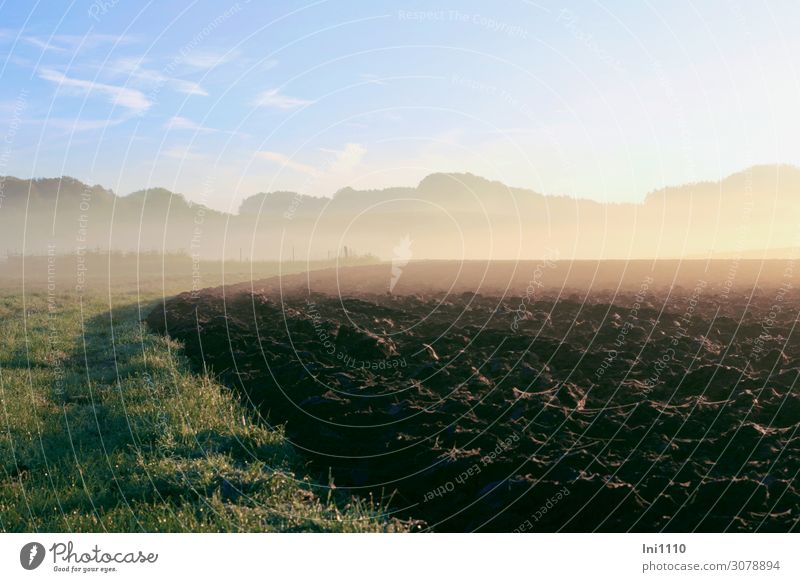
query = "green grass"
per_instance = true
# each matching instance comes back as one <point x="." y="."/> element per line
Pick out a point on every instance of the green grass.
<point x="104" y="427"/>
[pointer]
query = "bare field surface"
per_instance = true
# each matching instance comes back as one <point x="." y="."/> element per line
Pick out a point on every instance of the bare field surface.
<point x="538" y="395"/>
<point x="517" y="278"/>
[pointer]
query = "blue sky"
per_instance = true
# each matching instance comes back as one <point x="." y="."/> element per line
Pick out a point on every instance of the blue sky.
<point x="220" y="100"/>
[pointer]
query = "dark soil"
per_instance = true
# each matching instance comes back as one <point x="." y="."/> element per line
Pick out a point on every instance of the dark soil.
<point x="648" y="410"/>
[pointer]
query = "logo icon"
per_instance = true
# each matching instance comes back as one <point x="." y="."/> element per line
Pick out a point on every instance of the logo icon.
<point x="31" y="555"/>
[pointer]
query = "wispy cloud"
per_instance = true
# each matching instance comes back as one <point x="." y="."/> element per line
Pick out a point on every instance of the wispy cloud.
<point x="123" y="96"/>
<point x="187" y="87"/>
<point x="273" y="98"/>
<point x="373" y="79"/>
<point x="184" y="123"/>
<point x="132" y="67"/>
<point x="339" y="164"/>
<point x="77" y="125"/>
<point x="287" y="162"/>
<point x="178" y="123"/>
<point x="345" y="160"/>
<point x="63" y="43"/>
<point x="43" y="44"/>
<point x="206" y="60"/>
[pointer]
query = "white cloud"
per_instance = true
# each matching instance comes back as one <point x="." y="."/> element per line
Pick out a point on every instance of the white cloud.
<point x="76" y="125"/>
<point x="178" y="122"/>
<point x="344" y="161"/>
<point x="339" y="165"/>
<point x="206" y="60"/>
<point x="74" y="42"/>
<point x="123" y="96"/>
<point x="45" y="45"/>
<point x="132" y="67"/>
<point x="287" y="162"/>
<point x="273" y="98"/>
<point x="188" y="87"/>
<point x="373" y="79"/>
